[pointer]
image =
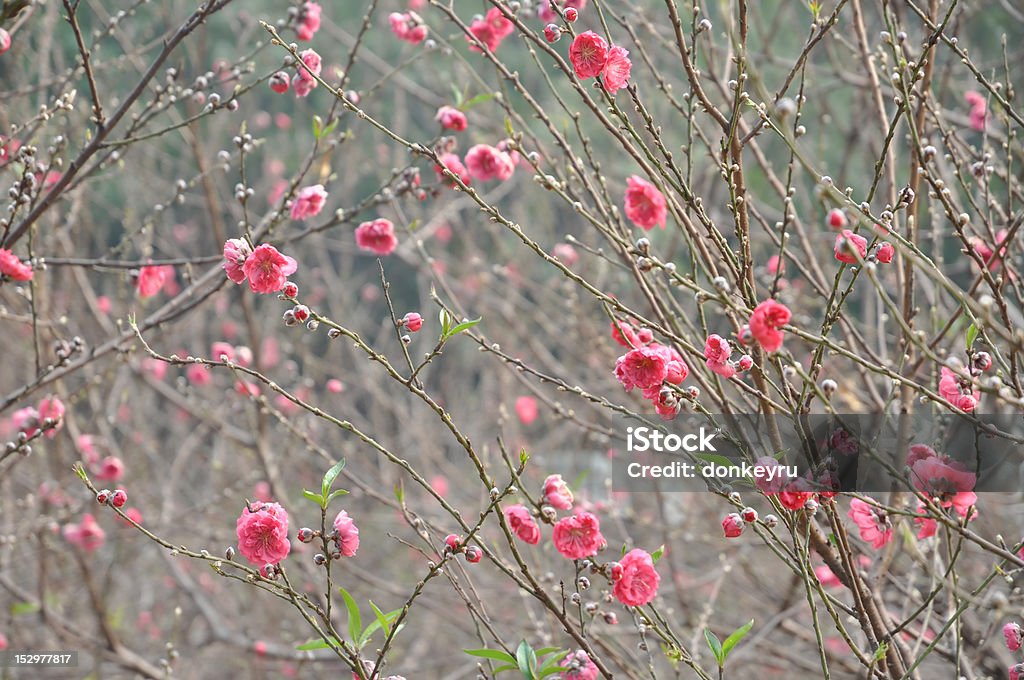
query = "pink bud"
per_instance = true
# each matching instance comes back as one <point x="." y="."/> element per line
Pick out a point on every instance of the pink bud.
<point x="1013" y="636"/>
<point x="732" y="525"/>
<point x="103" y="496"/>
<point x="885" y="253"/>
<point x="452" y="541"/>
<point x="836" y="218"/>
<point x="119" y="498"/>
<point x="571" y="14"/>
<point x="746" y="362"/>
<point x="749" y="515"/>
<point x="552" y="33"/>
<point x="5" y="41"/>
<point x="290" y="289"/>
<point x="473" y="554"/>
<point x="412" y="322"/>
<point x="301" y="313"/>
<point x="280" y="82"/>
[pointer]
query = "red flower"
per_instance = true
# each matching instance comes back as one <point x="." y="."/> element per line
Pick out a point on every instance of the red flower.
<point x="765" y="322"/>
<point x="588" y="54"/>
<point x="645" y="205"/>
<point x="12" y="267"/>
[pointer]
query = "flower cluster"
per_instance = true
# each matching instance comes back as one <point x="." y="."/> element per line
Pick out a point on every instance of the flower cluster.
<point x="958" y="391"/>
<point x="489" y="31"/>
<point x="48" y="416"/>
<point x="653" y="368"/>
<point x="718" y="353"/>
<point x="408" y="26"/>
<point x="591" y="56"/>
<point x="307" y="21"/>
<point x="265" y="268"/>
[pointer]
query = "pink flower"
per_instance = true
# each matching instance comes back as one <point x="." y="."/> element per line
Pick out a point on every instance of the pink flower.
<point x="486" y="162"/>
<point x="578" y="536"/>
<point x="311" y="59"/>
<point x="616" y="69"/>
<point x="110" y="469"/>
<point x="579" y="667"/>
<point x="236" y="251"/>
<point x="263" y="533"/>
<point x="732" y="525"/>
<point x="308" y="21"/>
<point x="198" y="375"/>
<point x="626" y="335"/>
<point x="795" y="493"/>
<point x="638" y="584"/>
<point x="885" y="253"/>
<point x="871" y="521"/>
<point x="556" y="493"/>
<point x="1016" y="672"/>
<point x="979" y="109"/>
<point x="152" y="278"/>
<point x="348" y="534"/>
<point x="526" y="409"/>
<point x="407" y="26"/>
<point x="645" y="205"/>
<point x="846" y="243"/>
<point x="222" y="349"/>
<point x="522" y="524"/>
<point x="927" y="527"/>
<point x="453" y="164"/>
<point x="588" y="54"/>
<point x="12" y="267"/>
<point x="987" y="254"/>
<point x="942" y="477"/>
<point x="51" y="408"/>
<point x="952" y="389"/>
<point x="765" y="322"/>
<point x="309" y="203"/>
<point x="87" y="534"/>
<point x="566" y="253"/>
<point x="451" y="118"/>
<point x="490" y="30"/>
<point x="1013" y="636"/>
<point x="643" y="367"/>
<point x="267" y="269"/>
<point x="304" y="87"/>
<point x="5" y="44"/>
<point x="335" y="386"/>
<point x="377" y="236"/>
<point x="717" y="352"/>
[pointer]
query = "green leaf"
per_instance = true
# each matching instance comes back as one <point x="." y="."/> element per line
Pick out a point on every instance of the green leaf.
<point x="479" y="99"/>
<point x="508" y="127"/>
<point x="883" y="649"/>
<point x="315" y="497"/>
<point x="656" y="555"/>
<point x="383" y="619"/>
<point x="400" y="493"/>
<point x="524" y="457"/>
<point x="551" y="664"/>
<point x="465" y="325"/>
<point x="508" y="667"/>
<point x="318" y="126"/>
<point x="715" y="645"/>
<point x="526" y="658"/>
<point x="355" y="621"/>
<point x="19" y="608"/>
<point x="334" y="494"/>
<point x="330" y="128"/>
<point x="734" y="638"/>
<point x="319" y="643"/>
<point x="495" y="654"/>
<point x="972" y="335"/>
<point x="330" y="476"/>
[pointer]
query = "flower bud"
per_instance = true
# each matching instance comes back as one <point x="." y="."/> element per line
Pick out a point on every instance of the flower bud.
<point x="473" y="554"/>
<point x="119" y="498"/>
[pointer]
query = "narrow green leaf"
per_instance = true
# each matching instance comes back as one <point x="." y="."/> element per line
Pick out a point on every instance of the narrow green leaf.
<point x="319" y="643"/>
<point x="508" y="667"/>
<point x="656" y="555"/>
<point x="734" y="638"/>
<point x="465" y="325"/>
<point x="552" y="665"/>
<point x="715" y="645"/>
<point x="330" y="128"/>
<point x="355" y="621"/>
<point x="315" y="497"/>
<point x="19" y="608"/>
<point x="479" y="99"/>
<point x="972" y="335"/>
<point x="495" y="654"/>
<point x="318" y="126"/>
<point x="330" y="476"/>
<point x="334" y="494"/>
